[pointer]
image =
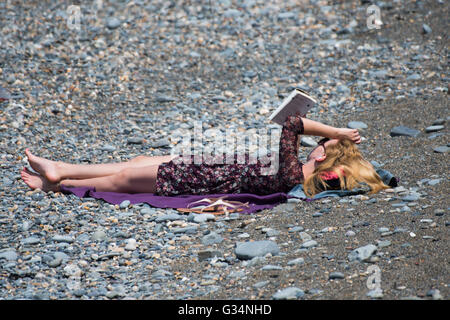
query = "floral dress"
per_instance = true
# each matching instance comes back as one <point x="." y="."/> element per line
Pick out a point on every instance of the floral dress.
<point x="177" y="178"/>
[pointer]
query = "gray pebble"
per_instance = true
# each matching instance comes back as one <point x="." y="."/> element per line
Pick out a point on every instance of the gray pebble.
<point x="249" y="250"/>
<point x="113" y="23"/>
<point x="124" y="204"/>
<point x="290" y="293"/>
<point x="9" y="255"/>
<point x="357" y="125"/>
<point x="336" y="275"/>
<point x="309" y="244"/>
<point x="441" y="149"/>
<point x="404" y="131"/>
<point x="62" y="238"/>
<point x="297" y="261"/>
<point x="362" y="253"/>
<point x="426" y="28"/>
<point x="270" y="267"/>
<point x="30" y="240"/>
<point x="434" y="128"/>
<point x="308" y="142"/>
<point x="211" y="238"/>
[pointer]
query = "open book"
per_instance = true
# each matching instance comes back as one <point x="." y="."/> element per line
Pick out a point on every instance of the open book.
<point x="298" y="101"/>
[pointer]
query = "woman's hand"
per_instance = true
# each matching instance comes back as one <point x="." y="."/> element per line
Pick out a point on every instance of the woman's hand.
<point x="352" y="134"/>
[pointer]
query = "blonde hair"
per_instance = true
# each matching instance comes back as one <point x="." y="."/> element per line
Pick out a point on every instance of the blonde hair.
<point x="344" y="159"/>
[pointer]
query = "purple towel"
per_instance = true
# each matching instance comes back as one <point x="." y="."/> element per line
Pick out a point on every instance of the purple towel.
<point x="256" y="202"/>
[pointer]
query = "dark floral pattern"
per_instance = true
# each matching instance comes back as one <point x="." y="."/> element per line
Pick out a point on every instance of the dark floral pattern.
<point x="175" y="178"/>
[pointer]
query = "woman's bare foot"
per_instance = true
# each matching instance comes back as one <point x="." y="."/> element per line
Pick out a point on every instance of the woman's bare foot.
<point x="35" y="181"/>
<point x="46" y="168"/>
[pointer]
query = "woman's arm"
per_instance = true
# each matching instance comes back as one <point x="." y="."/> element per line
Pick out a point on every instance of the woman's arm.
<point x="315" y="128"/>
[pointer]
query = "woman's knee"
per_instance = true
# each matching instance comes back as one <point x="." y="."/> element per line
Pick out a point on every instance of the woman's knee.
<point x="123" y="177"/>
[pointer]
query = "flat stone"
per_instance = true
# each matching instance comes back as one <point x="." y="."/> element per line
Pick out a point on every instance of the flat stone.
<point x="411" y="197"/>
<point x="336" y="275"/>
<point x="290" y="293"/>
<point x="113" y="23"/>
<point x="251" y="249"/>
<point x="357" y="125"/>
<point x="211" y="238"/>
<point x="169" y="217"/>
<point x="201" y="218"/>
<point x="404" y="131"/>
<point x="362" y="253"/>
<point x="9" y="255"/>
<point x="426" y="28"/>
<point x="62" y="238"/>
<point x="309" y="244"/>
<point x="99" y="235"/>
<point x="271" y="267"/>
<point x="434" y="128"/>
<point x="297" y="261"/>
<point x="30" y="240"/>
<point x="124" y="204"/>
<point x="187" y="230"/>
<point x="131" y="244"/>
<point x="208" y="254"/>
<point x="308" y="142"/>
<point x="441" y="149"/>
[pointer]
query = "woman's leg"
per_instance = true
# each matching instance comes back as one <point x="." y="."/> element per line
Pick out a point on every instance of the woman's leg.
<point x="55" y="171"/>
<point x="129" y="180"/>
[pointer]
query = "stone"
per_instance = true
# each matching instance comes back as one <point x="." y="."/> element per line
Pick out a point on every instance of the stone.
<point x="201" y="218"/>
<point x="291" y="293"/>
<point x="434" y="128"/>
<point x="62" y="238"/>
<point x="208" y="254"/>
<point x="211" y="238"/>
<point x="9" y="255"/>
<point x="336" y="275"/>
<point x="187" y="230"/>
<point x="435" y="294"/>
<point x="404" y="131"/>
<point x="362" y="253"/>
<point x="270" y="267"/>
<point x="164" y="142"/>
<point x="131" y="244"/>
<point x="251" y="249"/>
<point x="426" y="28"/>
<point x="309" y="244"/>
<point x="169" y="217"/>
<point x="54" y="263"/>
<point x="411" y="197"/>
<point x="124" y="204"/>
<point x="305" y="236"/>
<point x="99" y="235"/>
<point x="357" y="125"/>
<point x="113" y="23"/>
<point x="307" y="142"/>
<point x="441" y="149"/>
<point x="30" y="240"/>
<point x="297" y="261"/>
<point x="72" y="270"/>
<point x="414" y="76"/>
<point x="383" y="243"/>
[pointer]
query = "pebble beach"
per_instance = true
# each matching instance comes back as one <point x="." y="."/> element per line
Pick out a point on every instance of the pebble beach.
<point x="106" y="81"/>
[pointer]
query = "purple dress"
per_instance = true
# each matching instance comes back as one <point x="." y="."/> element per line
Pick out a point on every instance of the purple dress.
<point x="175" y="178"/>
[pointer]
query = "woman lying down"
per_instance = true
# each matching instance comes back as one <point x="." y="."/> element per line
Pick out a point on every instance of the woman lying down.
<point x="336" y="163"/>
